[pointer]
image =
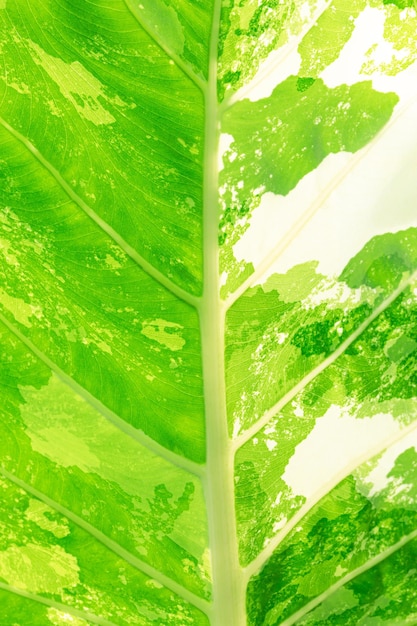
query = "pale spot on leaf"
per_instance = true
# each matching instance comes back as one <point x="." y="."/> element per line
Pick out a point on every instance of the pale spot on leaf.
<point x="39" y="569"/>
<point x="20" y="309"/>
<point x="78" y="86"/>
<point x="37" y="512"/>
<point x="165" y="333"/>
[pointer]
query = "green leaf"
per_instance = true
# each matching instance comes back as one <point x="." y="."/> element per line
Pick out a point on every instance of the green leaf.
<point x="208" y="312"/>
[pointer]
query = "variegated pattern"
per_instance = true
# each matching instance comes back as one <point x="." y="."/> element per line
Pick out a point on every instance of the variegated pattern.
<point x="208" y="313"/>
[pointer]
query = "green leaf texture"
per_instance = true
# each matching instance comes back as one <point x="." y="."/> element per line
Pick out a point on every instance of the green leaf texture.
<point x="208" y="312"/>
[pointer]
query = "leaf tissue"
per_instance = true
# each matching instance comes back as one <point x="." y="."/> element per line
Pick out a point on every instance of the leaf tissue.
<point x="208" y="312"/>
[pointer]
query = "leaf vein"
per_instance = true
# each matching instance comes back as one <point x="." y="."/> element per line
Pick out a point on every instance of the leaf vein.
<point x="188" y="71"/>
<point x="263" y="556"/>
<point x="255" y="428"/>
<point x="138" y="564"/>
<point x="95" y="619"/>
<point x="127" y="248"/>
<point x="108" y="414"/>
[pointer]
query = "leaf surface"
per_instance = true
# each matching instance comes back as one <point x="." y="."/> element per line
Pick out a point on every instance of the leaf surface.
<point x="208" y="252"/>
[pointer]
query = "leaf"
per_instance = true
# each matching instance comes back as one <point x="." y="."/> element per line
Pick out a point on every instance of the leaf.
<point x="208" y="313"/>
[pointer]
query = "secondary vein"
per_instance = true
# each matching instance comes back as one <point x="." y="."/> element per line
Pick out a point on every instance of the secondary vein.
<point x="126" y="247"/>
<point x="353" y="574"/>
<point x="187" y="70"/>
<point x="65" y="608"/>
<point x="108" y="414"/>
<point x="255" y="428"/>
<point x="138" y="564"/>
<point x="257" y="563"/>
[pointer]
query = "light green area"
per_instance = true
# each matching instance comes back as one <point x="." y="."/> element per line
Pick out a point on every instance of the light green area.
<point x="39" y="569"/>
<point x="74" y="570"/>
<point x="297" y="284"/>
<point x="76" y="451"/>
<point x="20" y="310"/>
<point x="328" y="36"/>
<point x="77" y="85"/>
<point x="163" y="332"/>
<point x="55" y="436"/>
<point x="117" y="490"/>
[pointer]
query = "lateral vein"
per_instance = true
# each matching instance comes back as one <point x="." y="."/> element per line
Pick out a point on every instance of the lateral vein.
<point x="108" y="414"/>
<point x="201" y="84"/>
<point x="65" y="608"/>
<point x="255" y="428"/>
<point x="126" y="247"/>
<point x="257" y="563"/>
<point x="346" y="579"/>
<point x="138" y="564"/>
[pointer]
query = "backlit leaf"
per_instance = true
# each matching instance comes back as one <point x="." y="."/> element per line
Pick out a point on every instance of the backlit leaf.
<point x="208" y="312"/>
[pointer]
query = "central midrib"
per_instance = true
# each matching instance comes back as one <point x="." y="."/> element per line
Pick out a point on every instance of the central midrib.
<point x="228" y="608"/>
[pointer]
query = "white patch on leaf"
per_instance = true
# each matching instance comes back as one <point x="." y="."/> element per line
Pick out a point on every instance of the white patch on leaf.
<point x="225" y="142"/>
<point x="346" y="69"/>
<point x="236" y="428"/>
<point x="270" y="444"/>
<point x="278" y="526"/>
<point x="223" y="278"/>
<point x="377" y="479"/>
<point x="337" y="442"/>
<point x="327" y="222"/>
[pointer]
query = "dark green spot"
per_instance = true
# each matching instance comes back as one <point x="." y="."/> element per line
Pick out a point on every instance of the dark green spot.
<point x="401" y="4"/>
<point x="304" y="83"/>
